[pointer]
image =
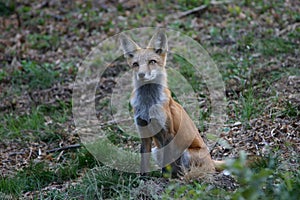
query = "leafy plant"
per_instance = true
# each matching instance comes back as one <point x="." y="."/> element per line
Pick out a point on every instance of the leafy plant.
<point x="265" y="180"/>
<point x="35" y="75"/>
<point x="291" y="110"/>
<point x="43" y="42"/>
<point x="39" y="174"/>
<point x="15" y="126"/>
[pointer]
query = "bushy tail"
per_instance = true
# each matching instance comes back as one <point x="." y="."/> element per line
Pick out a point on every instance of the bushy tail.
<point x="219" y="165"/>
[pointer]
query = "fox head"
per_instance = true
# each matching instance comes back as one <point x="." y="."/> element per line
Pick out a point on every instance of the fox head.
<point x="148" y="64"/>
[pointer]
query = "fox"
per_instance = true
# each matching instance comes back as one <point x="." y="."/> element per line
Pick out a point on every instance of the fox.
<point x="159" y="119"/>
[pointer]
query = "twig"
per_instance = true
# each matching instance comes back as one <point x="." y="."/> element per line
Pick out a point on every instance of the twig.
<point x="30" y="153"/>
<point x="73" y="146"/>
<point x="289" y="28"/>
<point x="111" y="122"/>
<point x="196" y="9"/>
<point x="16" y="153"/>
<point x="212" y="149"/>
<point x="19" y="19"/>
<point x="59" y="156"/>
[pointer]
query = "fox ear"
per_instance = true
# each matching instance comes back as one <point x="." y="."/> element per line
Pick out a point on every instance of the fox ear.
<point x="128" y="45"/>
<point x="159" y="42"/>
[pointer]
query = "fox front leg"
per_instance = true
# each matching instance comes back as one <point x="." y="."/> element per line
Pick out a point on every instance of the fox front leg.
<point x="145" y="155"/>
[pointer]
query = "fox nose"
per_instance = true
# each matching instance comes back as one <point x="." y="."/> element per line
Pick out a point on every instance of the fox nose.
<point x="141" y="74"/>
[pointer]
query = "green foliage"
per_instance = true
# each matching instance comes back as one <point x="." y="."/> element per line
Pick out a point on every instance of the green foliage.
<point x="274" y="46"/>
<point x="35" y="75"/>
<point x="3" y="75"/>
<point x="9" y="186"/>
<point x="7" y="8"/>
<point x="234" y="10"/>
<point x="23" y="126"/>
<point x="270" y="161"/>
<point x="246" y="43"/>
<point x="188" y="71"/>
<point x="186" y="4"/>
<point x="43" y="42"/>
<point x="35" y="176"/>
<point x="85" y="159"/>
<point x="291" y="110"/>
<point x="265" y="180"/>
<point x="103" y="182"/>
<point x="195" y="191"/>
<point x="236" y="68"/>
<point x="39" y="174"/>
<point x="60" y="113"/>
<point x="25" y="9"/>
<point x="250" y="105"/>
<point x="32" y="126"/>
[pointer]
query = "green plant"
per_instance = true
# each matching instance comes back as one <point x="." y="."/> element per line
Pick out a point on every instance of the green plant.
<point x="264" y="180"/>
<point x="3" y="75"/>
<point x="186" y="5"/>
<point x="33" y="126"/>
<point x="43" y="42"/>
<point x="24" y="126"/>
<point x="194" y="191"/>
<point x="250" y="105"/>
<point x="291" y="110"/>
<point x="277" y="46"/>
<point x="35" y="75"/>
<point x="39" y="174"/>
<point x="103" y="182"/>
<point x="234" y="10"/>
<point x="188" y="71"/>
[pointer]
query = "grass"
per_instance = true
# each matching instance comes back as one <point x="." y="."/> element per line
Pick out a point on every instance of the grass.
<point x="15" y="126"/>
<point x="291" y="110"/>
<point x="40" y="124"/>
<point x="40" y="174"/>
<point x="43" y="42"/>
<point x="108" y="183"/>
<point x="275" y="45"/>
<point x="263" y="180"/>
<point x="251" y="105"/>
<point x="187" y="70"/>
<point x="34" y="75"/>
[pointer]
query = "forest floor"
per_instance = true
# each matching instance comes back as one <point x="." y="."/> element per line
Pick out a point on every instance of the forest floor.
<point x="255" y="45"/>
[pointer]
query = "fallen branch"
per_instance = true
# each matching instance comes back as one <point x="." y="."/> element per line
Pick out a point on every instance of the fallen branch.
<point x="73" y="146"/>
<point x="16" y="153"/>
<point x="288" y="29"/>
<point x="112" y="122"/>
<point x="195" y="10"/>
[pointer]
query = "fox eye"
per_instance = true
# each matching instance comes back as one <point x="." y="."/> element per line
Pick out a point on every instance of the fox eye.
<point x="151" y="62"/>
<point x="135" y="64"/>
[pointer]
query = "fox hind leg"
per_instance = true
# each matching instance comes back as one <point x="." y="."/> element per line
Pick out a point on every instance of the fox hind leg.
<point x="181" y="164"/>
<point x="177" y="167"/>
